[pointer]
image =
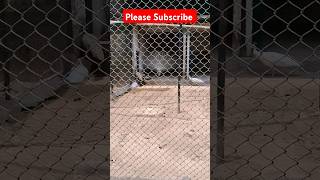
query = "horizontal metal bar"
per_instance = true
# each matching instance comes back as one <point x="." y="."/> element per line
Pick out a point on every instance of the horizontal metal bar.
<point x="163" y="24"/>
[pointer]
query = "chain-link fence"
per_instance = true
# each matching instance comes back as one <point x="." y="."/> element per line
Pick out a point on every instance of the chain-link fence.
<point x="160" y="89"/>
<point x="264" y="93"/>
<point x="250" y="98"/>
<point x="52" y="104"/>
<point x="265" y="124"/>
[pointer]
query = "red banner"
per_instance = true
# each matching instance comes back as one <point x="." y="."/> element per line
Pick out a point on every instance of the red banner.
<point x="172" y="16"/>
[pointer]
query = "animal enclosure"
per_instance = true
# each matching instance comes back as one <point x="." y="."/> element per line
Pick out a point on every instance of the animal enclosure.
<point x="234" y="96"/>
<point x="244" y="105"/>
<point x="160" y="111"/>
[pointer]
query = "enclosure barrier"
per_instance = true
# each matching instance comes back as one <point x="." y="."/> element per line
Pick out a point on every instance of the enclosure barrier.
<point x="160" y="120"/>
<point x="234" y="96"/>
<point x="54" y="78"/>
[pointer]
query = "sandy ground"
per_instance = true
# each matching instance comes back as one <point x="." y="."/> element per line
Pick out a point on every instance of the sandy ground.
<point x="150" y="139"/>
<point x="271" y="131"/>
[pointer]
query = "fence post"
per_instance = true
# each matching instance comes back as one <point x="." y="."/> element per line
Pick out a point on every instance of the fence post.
<point x="107" y="62"/>
<point x="218" y="33"/>
<point x="184" y="62"/>
<point x="213" y="43"/>
<point x="179" y="67"/>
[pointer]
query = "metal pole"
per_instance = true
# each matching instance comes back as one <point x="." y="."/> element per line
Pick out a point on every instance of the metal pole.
<point x="135" y="50"/>
<point x="222" y="31"/>
<point x="179" y="68"/>
<point x="212" y="84"/>
<point x="219" y="32"/>
<point x="184" y="54"/>
<point x="220" y="106"/>
<point x="106" y="38"/>
<point x="188" y="54"/>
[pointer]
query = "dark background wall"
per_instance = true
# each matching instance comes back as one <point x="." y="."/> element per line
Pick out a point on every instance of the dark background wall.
<point x="285" y="20"/>
<point x="36" y="38"/>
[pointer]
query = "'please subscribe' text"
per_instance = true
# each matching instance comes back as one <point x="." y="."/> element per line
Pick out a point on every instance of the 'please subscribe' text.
<point x="183" y="16"/>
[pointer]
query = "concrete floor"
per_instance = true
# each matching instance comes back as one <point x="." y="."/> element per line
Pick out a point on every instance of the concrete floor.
<point x="270" y="130"/>
<point x="150" y="139"/>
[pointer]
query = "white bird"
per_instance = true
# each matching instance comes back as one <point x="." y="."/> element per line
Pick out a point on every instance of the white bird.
<point x="276" y="60"/>
<point x="134" y="85"/>
<point x="123" y="90"/>
<point x="159" y="61"/>
<point x="92" y="44"/>
<point x="78" y="74"/>
<point x="196" y="80"/>
<point x="120" y="91"/>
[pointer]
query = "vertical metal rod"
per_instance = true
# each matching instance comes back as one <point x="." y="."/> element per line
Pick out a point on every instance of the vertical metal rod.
<point x="108" y="61"/>
<point x="221" y="76"/>
<point x="188" y="54"/>
<point x="184" y="54"/>
<point x="218" y="45"/>
<point x="135" y="49"/>
<point x="220" y="105"/>
<point x="142" y="50"/>
<point x="179" y="70"/>
<point x="213" y="43"/>
<point x="179" y="94"/>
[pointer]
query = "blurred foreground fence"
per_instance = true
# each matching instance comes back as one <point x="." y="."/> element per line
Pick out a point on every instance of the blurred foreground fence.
<point x="265" y="90"/>
<point x="241" y="85"/>
<point x="54" y="86"/>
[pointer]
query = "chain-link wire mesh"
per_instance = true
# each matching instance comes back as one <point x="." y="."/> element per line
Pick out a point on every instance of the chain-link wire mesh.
<point x="267" y="101"/>
<point x="53" y="89"/>
<point x="250" y="98"/>
<point x="160" y="89"/>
